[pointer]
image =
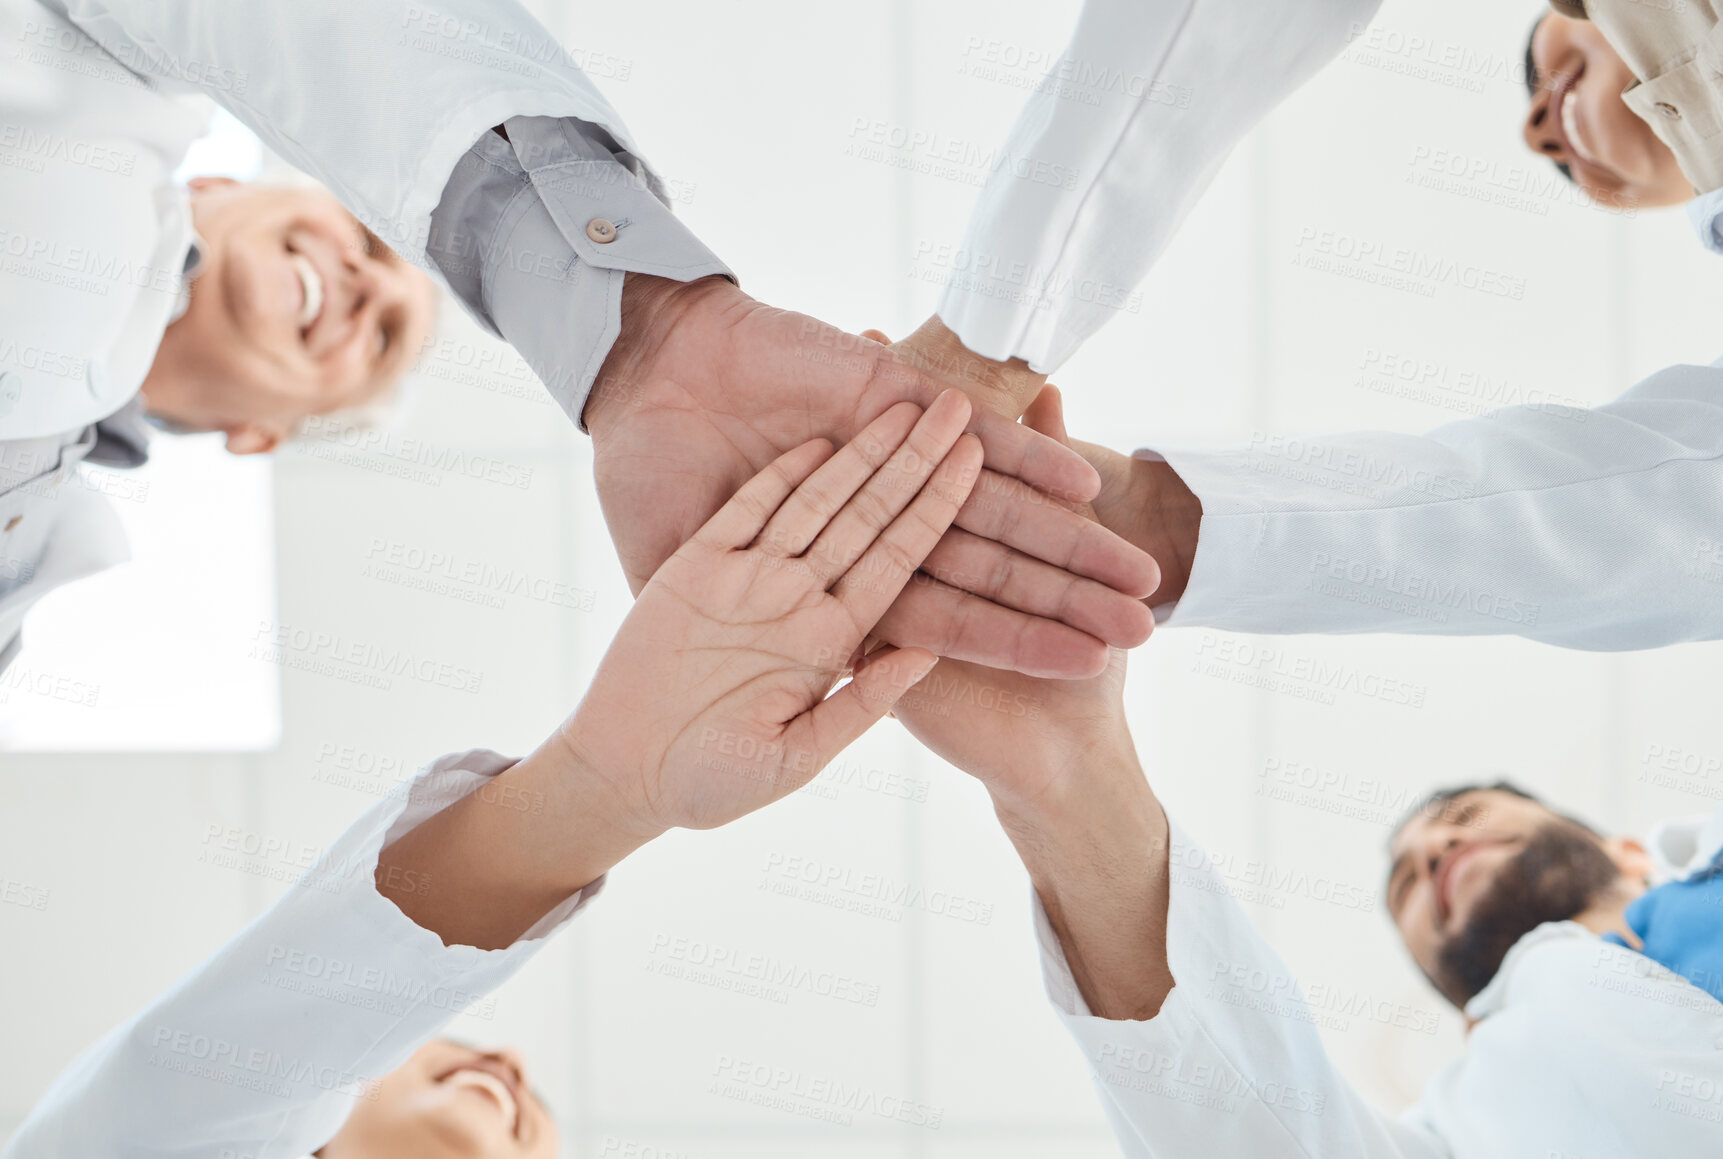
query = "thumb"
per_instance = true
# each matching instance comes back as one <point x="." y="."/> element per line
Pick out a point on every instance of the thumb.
<point x="1046" y="414"/>
<point x="879" y="682"/>
<point x="876" y="336"/>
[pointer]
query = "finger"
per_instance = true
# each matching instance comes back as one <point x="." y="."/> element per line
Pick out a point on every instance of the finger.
<point x="739" y="521"/>
<point x="1029" y="455"/>
<point x="995" y="572"/>
<point x="892" y="488"/>
<point x="836" y="722"/>
<point x="1047" y="415"/>
<point x="813" y="504"/>
<point x="1012" y="449"/>
<point x="876" y="336"/>
<point x="1020" y="517"/>
<point x="877" y="579"/>
<point x="954" y="623"/>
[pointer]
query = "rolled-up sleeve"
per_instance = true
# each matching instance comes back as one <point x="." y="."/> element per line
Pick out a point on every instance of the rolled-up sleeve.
<point x="263" y="1049"/>
<point x="1112" y="150"/>
<point x="1222" y="1070"/>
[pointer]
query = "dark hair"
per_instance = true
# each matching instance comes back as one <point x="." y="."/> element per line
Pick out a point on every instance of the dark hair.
<point x="1434" y="803"/>
<point x="1532" y="91"/>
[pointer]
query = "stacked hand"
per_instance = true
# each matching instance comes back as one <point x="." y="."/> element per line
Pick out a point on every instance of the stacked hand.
<point x="712" y="701"/>
<point x="705" y="386"/>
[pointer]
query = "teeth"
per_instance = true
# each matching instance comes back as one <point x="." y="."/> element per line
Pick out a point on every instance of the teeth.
<point x="492" y="1085"/>
<point x="313" y="283"/>
<point x="1570" y="127"/>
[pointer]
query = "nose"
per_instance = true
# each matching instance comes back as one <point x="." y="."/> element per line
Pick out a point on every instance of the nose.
<point x="1540" y="129"/>
<point x="511" y="1058"/>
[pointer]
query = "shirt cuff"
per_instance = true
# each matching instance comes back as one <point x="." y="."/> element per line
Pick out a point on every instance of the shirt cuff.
<point x="536" y="233"/>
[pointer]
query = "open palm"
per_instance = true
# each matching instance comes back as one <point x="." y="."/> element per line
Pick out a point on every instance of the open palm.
<point x="713" y="699"/>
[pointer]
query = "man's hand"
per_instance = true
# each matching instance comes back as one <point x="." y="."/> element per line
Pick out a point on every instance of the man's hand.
<point x="1145" y="503"/>
<point x="705" y="386"/>
<point x="1057" y="759"/>
<point x="716" y="697"/>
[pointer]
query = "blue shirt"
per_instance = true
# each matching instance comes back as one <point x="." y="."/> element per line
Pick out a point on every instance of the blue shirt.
<point x="1681" y="924"/>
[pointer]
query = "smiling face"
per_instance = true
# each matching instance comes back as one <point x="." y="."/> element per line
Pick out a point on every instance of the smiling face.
<point x="297" y="310"/>
<point x="1477" y="872"/>
<point x="449" y="1102"/>
<point x="1578" y="120"/>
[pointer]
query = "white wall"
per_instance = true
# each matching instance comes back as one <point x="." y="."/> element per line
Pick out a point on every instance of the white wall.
<point x="750" y="108"/>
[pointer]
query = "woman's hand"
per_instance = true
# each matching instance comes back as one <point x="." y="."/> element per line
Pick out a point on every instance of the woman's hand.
<point x="713" y="699"/>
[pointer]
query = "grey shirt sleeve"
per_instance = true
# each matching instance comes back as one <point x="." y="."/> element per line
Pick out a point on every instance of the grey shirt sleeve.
<point x="536" y="232"/>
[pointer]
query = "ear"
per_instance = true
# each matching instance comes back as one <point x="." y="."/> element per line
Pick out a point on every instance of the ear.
<point x="1630" y="857"/>
<point x="205" y="184"/>
<point x="252" y="439"/>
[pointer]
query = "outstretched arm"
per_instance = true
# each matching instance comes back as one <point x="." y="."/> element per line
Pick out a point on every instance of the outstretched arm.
<point x="441" y="893"/>
<point x="1138" y="935"/>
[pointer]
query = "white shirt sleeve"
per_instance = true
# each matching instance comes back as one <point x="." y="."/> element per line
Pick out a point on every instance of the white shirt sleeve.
<point x="1113" y="149"/>
<point x="383" y="103"/>
<point x="1232" y="1064"/>
<point x="262" y="1050"/>
<point x="1598" y="529"/>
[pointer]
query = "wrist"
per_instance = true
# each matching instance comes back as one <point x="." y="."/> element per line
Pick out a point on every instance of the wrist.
<point x="1006" y="388"/>
<point x="652" y="307"/>
<point x="1177" y="516"/>
<point x="1094" y="784"/>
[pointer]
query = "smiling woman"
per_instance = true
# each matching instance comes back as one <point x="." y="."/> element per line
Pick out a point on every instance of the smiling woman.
<point x="449" y="1102"/>
<point x="1578" y="120"/>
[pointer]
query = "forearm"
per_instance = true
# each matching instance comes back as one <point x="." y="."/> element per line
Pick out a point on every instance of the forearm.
<point x="485" y="870"/>
<point x="1096" y="848"/>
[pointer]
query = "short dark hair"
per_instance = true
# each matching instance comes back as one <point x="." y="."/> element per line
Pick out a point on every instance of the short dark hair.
<point x="1532" y="91"/>
<point x="1438" y="800"/>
